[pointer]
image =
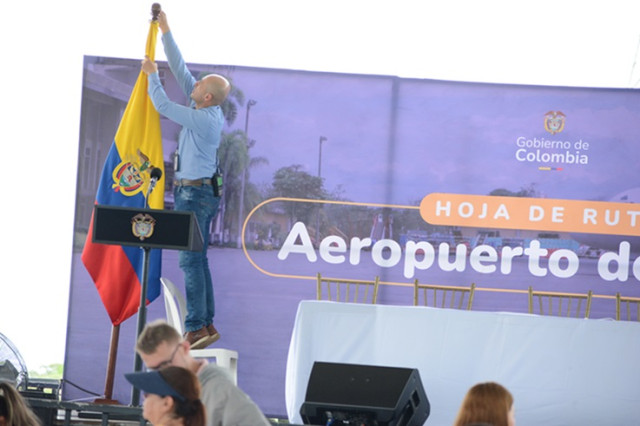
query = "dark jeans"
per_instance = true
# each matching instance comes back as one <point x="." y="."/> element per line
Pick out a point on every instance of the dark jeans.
<point x="194" y="264"/>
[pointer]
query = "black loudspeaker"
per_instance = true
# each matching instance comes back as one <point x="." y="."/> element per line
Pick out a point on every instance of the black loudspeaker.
<point x="351" y="394"/>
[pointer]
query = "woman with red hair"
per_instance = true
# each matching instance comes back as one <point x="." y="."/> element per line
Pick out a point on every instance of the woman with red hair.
<point x="486" y="404"/>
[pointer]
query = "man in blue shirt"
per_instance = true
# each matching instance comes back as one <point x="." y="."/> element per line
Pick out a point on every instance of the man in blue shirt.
<point x="195" y="164"/>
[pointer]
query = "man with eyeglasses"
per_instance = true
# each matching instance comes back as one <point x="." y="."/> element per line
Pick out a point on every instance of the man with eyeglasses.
<point x="160" y="345"/>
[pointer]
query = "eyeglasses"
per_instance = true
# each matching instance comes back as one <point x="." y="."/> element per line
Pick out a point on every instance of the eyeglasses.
<point x="167" y="362"/>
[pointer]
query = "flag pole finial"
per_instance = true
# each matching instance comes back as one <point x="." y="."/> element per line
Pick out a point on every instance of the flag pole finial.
<point x="155" y="11"/>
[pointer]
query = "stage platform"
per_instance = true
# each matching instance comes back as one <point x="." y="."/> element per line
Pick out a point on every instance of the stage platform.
<point x="66" y="413"/>
<point x="76" y="413"/>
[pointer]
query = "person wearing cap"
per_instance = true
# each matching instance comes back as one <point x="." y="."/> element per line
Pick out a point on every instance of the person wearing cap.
<point x="160" y="346"/>
<point x="172" y="396"/>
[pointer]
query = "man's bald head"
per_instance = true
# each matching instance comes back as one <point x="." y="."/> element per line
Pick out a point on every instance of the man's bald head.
<point x="211" y="90"/>
<point x="218" y="86"/>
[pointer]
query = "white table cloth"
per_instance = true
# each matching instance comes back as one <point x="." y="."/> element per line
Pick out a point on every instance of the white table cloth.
<point x="561" y="371"/>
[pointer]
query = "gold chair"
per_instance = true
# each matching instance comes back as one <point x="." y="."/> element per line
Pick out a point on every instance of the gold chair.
<point x="628" y="302"/>
<point x="555" y="301"/>
<point x="456" y="295"/>
<point x="346" y="290"/>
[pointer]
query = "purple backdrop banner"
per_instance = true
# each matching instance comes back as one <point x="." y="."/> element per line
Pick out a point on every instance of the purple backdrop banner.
<point x="326" y="173"/>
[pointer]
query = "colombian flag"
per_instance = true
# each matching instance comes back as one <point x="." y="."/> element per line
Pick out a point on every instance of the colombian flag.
<point x="137" y="148"/>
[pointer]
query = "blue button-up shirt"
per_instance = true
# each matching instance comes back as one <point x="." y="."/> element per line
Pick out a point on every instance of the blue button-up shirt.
<point x="201" y="128"/>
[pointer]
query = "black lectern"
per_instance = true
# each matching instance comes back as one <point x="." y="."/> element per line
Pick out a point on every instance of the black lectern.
<point x="152" y="228"/>
<point x="145" y="228"/>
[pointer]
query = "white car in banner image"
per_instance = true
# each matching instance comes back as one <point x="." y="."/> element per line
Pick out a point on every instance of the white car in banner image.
<point x="599" y="243"/>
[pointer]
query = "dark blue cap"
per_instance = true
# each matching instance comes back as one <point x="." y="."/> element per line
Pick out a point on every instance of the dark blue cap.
<point x="153" y="382"/>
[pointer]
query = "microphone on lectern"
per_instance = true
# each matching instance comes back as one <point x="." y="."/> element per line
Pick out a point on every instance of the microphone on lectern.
<point x="156" y="174"/>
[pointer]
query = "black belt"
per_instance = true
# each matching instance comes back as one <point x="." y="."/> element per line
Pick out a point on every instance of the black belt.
<point x="193" y="182"/>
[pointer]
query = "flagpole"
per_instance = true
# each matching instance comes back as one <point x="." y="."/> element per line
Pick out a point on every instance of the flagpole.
<point x="142" y="320"/>
<point x="140" y="131"/>
<point x="111" y="367"/>
<point x="142" y="309"/>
